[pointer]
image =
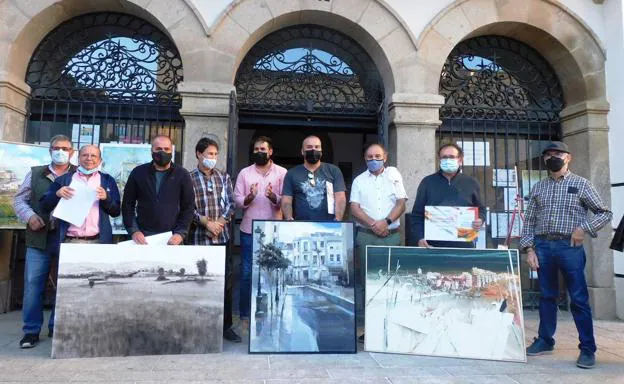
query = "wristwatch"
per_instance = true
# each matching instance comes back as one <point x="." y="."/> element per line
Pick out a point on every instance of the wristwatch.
<point x="388" y="221"/>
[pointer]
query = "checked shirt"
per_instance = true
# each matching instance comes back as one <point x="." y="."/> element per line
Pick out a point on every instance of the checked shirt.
<point x="558" y="207"/>
<point x="213" y="199"/>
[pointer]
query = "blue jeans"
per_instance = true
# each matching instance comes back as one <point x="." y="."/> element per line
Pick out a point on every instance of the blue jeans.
<point x="35" y="280"/>
<point x="246" y="243"/>
<point x="554" y="256"/>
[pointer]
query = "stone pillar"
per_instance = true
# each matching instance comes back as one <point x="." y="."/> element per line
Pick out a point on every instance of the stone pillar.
<point x="13" y="98"/>
<point x="205" y="108"/>
<point x="586" y="131"/>
<point x="414" y="119"/>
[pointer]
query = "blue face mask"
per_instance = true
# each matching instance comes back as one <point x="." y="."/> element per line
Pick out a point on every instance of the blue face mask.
<point x="449" y="165"/>
<point x="374" y="165"/>
<point x="85" y="171"/>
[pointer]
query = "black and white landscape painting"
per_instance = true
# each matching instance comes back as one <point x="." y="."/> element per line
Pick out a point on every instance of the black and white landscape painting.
<point x="115" y="300"/>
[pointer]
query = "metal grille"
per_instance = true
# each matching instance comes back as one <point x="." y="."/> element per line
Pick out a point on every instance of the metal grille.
<point x="502" y="106"/>
<point x="105" y="77"/>
<point x="309" y="69"/>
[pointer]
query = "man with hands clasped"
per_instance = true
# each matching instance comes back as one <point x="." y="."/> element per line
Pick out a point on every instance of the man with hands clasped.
<point x="258" y="193"/>
<point x="555" y="225"/>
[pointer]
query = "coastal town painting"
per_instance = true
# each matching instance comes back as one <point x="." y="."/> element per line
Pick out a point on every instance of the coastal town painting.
<point x="131" y="300"/>
<point x="16" y="160"/>
<point x="303" y="291"/>
<point x="463" y="303"/>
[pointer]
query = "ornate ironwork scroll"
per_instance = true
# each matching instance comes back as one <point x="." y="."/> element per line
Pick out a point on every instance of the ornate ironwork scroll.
<point x="497" y="78"/>
<point x="106" y="57"/>
<point x="309" y="69"/>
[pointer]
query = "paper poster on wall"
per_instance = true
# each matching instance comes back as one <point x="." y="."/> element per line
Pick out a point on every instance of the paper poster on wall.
<point x="504" y="177"/>
<point x="500" y="222"/>
<point x="83" y="134"/>
<point x="529" y="179"/>
<point x="509" y="195"/>
<point x="476" y="153"/>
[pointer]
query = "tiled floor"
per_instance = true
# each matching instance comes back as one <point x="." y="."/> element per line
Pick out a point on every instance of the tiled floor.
<point x="234" y="365"/>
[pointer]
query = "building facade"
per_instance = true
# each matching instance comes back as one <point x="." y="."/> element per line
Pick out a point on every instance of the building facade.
<point x="501" y="77"/>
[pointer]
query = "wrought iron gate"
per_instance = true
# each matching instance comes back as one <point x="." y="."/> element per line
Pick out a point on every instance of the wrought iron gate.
<point x="105" y="77"/>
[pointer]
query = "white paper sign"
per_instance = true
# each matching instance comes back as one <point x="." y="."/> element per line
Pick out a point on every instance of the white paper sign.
<point x="500" y="225"/>
<point x="510" y="198"/>
<point x="504" y="178"/>
<point x="476" y="153"/>
<point x="450" y="223"/>
<point x="330" y="198"/>
<point x="157" y="239"/>
<point x="76" y="209"/>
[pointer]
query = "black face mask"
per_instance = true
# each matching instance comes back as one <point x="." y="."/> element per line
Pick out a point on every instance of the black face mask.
<point x="161" y="158"/>
<point x="260" y="158"/>
<point x="554" y="164"/>
<point x="313" y="156"/>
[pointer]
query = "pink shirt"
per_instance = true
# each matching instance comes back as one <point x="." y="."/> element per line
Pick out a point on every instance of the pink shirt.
<point x="260" y="208"/>
<point x="91" y="226"/>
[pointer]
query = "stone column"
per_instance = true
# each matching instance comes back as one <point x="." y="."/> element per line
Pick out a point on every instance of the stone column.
<point x="205" y="109"/>
<point x="586" y="131"/>
<point x="414" y="119"/>
<point x="13" y="97"/>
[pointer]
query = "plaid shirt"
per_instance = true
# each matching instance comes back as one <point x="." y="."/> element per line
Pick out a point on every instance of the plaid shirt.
<point x="213" y="199"/>
<point x="558" y="207"/>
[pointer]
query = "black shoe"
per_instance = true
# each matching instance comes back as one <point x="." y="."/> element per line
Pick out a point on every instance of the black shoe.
<point x="29" y="340"/>
<point x="230" y="335"/>
<point x="539" y="347"/>
<point x="361" y="339"/>
<point x="50" y="333"/>
<point x="586" y="360"/>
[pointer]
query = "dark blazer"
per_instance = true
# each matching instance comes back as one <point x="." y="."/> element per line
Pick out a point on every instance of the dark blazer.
<point x="108" y="208"/>
<point x="618" y="238"/>
<point x="171" y="209"/>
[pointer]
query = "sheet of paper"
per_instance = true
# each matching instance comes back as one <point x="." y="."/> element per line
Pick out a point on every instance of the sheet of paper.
<point x="450" y="223"/>
<point x="76" y="209"/>
<point x="504" y="178"/>
<point x="157" y="239"/>
<point x="329" y="187"/>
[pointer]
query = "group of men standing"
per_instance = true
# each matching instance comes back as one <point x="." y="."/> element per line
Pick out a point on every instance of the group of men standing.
<point x="197" y="207"/>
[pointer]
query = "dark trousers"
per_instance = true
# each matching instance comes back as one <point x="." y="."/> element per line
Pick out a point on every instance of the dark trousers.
<point x="246" y="244"/>
<point x="554" y="256"/>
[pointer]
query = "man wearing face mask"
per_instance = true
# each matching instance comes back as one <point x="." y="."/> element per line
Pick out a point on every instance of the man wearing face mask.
<point x="41" y="235"/>
<point x="313" y="190"/>
<point x="161" y="194"/>
<point x="214" y="208"/>
<point x="556" y="222"/>
<point x="377" y="202"/>
<point x="96" y="227"/>
<point x="447" y="187"/>
<point x="258" y="193"/>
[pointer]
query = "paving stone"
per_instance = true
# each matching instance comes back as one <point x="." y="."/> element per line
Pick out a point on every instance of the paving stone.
<point x="579" y="378"/>
<point x="480" y="379"/>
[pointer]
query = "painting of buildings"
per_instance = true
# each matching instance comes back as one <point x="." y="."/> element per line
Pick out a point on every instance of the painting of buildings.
<point x="302" y="288"/>
<point x="16" y="159"/>
<point x="444" y="302"/>
<point x="115" y="301"/>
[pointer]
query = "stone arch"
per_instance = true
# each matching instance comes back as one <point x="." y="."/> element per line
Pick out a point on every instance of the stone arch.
<point x="390" y="43"/>
<point x="565" y="41"/>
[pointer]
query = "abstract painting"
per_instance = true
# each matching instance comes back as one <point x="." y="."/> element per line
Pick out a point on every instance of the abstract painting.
<point x="16" y="159"/>
<point x="462" y="303"/>
<point x="303" y="291"/>
<point x="130" y="300"/>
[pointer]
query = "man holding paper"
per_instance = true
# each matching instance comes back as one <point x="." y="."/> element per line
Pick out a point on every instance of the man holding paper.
<point x="41" y="247"/>
<point x="448" y="187"/>
<point x="83" y="201"/>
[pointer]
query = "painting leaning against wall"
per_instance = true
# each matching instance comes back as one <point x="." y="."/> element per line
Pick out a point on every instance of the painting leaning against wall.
<point x="302" y="298"/>
<point x="444" y="302"/>
<point x="16" y="160"/>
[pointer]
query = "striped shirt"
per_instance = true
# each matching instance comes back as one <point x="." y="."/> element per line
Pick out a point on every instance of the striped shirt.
<point x="213" y="199"/>
<point x="21" y="201"/>
<point x="558" y="207"/>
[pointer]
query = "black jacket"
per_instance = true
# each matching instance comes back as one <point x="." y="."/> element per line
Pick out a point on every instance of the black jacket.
<point x="171" y="209"/>
<point x="618" y="239"/>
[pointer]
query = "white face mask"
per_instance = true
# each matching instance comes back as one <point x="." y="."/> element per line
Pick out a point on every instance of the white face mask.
<point x="209" y="163"/>
<point x="60" y="157"/>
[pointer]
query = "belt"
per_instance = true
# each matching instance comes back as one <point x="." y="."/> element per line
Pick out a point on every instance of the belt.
<point x="94" y="237"/>
<point x="366" y="230"/>
<point x="554" y="236"/>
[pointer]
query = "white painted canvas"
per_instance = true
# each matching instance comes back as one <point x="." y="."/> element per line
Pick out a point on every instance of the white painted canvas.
<point x="113" y="300"/>
<point x="464" y="303"/>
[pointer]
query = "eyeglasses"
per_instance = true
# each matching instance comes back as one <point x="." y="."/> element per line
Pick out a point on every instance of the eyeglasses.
<point x="66" y="149"/>
<point x="449" y="157"/>
<point x="311" y="179"/>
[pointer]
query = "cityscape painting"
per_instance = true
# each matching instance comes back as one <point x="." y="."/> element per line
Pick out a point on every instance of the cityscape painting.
<point x="16" y="159"/>
<point x="463" y="303"/>
<point x="303" y="291"/>
<point x="115" y="300"/>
